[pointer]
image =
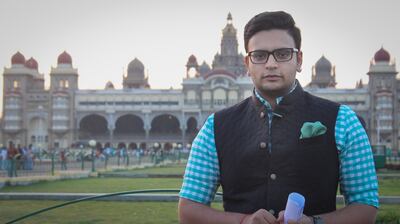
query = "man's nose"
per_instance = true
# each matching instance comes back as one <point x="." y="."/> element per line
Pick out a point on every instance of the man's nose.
<point x="271" y="63"/>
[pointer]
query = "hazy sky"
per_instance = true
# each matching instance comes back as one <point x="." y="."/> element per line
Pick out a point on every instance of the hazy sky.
<point x="103" y="36"/>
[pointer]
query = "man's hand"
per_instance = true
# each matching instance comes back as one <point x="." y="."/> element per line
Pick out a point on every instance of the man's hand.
<point x="191" y="212"/>
<point x="303" y="220"/>
<point x="353" y="213"/>
<point x="261" y="216"/>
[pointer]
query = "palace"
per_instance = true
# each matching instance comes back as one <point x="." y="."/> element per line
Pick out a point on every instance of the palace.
<point x="139" y="116"/>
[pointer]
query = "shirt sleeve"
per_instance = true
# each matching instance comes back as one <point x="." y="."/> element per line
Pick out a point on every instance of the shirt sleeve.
<point x="201" y="178"/>
<point x="357" y="176"/>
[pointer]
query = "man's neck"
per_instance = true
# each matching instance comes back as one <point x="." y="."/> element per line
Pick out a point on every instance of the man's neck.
<point x="271" y="97"/>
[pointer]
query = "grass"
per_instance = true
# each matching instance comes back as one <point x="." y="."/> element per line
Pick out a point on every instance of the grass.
<point x="92" y="212"/>
<point x="130" y="212"/>
<point x="122" y="212"/>
<point x="387" y="187"/>
<point x="176" y="169"/>
<point x="98" y="185"/>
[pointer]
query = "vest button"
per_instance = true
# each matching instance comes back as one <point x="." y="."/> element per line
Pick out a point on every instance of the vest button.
<point x="263" y="145"/>
<point x="271" y="211"/>
<point x="273" y="176"/>
<point x="262" y="115"/>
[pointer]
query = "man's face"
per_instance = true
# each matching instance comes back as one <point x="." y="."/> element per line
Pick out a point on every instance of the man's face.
<point x="273" y="79"/>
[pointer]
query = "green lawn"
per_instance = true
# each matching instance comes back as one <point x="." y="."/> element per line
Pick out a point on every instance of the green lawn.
<point x="130" y="212"/>
<point x="387" y="187"/>
<point x="121" y="212"/>
<point x="98" y="185"/>
<point x="176" y="169"/>
<point x="92" y="212"/>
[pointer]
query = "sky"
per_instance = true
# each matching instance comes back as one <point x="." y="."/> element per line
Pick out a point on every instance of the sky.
<point x="103" y="36"/>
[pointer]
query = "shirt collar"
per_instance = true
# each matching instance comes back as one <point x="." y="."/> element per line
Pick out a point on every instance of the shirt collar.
<point x="278" y="99"/>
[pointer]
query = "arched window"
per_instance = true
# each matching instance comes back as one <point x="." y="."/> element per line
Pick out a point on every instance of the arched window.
<point x="219" y="97"/>
<point x="191" y="97"/>
<point x="206" y="96"/>
<point x="232" y="97"/>
<point x="15" y="84"/>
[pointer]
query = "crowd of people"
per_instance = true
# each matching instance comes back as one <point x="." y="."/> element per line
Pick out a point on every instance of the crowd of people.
<point x="14" y="158"/>
<point x="20" y="157"/>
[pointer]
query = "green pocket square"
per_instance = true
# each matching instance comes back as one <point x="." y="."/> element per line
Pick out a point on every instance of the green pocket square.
<point x="311" y="129"/>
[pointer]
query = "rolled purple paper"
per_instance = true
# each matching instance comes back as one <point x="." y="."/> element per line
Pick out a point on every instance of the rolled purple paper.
<point x="294" y="207"/>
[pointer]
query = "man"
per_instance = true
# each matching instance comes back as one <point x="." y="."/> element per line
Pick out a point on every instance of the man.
<point x="13" y="154"/>
<point x="278" y="141"/>
<point x="2" y="158"/>
<point x="63" y="158"/>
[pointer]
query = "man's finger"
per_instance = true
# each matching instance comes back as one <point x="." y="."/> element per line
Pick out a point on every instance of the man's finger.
<point x="268" y="217"/>
<point x="280" y="216"/>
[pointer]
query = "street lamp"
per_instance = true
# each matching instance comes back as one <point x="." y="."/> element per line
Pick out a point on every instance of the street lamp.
<point x="179" y="152"/>
<point x="82" y="157"/>
<point x="156" y="145"/>
<point x="92" y="144"/>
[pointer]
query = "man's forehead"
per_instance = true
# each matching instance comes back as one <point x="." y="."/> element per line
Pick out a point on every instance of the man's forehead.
<point x="270" y="40"/>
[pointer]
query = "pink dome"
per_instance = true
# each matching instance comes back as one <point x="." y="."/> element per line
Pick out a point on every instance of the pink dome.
<point x="382" y="55"/>
<point x="18" y="58"/>
<point x="192" y="61"/>
<point x="64" y="58"/>
<point x="31" y="63"/>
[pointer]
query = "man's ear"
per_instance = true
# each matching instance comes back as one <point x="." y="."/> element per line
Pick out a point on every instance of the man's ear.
<point x="299" y="61"/>
<point x="246" y="61"/>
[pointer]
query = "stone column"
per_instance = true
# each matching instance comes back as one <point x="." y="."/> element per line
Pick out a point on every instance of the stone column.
<point x="147" y="127"/>
<point x="110" y="124"/>
<point x="183" y="128"/>
<point x="111" y="135"/>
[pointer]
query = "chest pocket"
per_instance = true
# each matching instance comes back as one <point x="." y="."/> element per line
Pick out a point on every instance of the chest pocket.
<point x="313" y="142"/>
<point x="311" y="157"/>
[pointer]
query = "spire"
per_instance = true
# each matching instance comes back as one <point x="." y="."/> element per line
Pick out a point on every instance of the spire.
<point x="359" y="84"/>
<point x="229" y="45"/>
<point x="229" y="18"/>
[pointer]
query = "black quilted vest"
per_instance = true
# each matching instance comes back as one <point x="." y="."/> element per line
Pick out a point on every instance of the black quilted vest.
<point x="254" y="176"/>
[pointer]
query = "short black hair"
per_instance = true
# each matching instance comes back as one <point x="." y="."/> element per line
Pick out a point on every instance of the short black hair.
<point x="272" y="20"/>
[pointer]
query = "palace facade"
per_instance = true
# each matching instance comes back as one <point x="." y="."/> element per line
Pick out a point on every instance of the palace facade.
<point x="139" y="116"/>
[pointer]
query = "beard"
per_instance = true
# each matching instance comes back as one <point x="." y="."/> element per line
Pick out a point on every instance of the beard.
<point x="273" y="90"/>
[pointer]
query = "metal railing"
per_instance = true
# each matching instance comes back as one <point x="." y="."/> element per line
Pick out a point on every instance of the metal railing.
<point x="49" y="163"/>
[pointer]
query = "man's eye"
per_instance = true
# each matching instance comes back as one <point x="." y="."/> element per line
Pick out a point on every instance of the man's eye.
<point x="282" y="54"/>
<point x="259" y="56"/>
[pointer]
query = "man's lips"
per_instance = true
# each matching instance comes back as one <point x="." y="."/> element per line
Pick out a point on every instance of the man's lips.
<point x="271" y="77"/>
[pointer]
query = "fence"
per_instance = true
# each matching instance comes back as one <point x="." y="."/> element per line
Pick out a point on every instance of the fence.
<point x="48" y="163"/>
<point x="385" y="157"/>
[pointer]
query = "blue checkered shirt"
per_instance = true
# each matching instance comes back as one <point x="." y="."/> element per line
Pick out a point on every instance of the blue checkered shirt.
<point x="357" y="176"/>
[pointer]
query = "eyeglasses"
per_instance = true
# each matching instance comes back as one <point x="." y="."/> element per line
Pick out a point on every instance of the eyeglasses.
<point x="280" y="55"/>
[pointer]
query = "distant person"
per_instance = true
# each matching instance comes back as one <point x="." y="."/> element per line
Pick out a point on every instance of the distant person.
<point x="28" y="158"/>
<point x="3" y="158"/>
<point x="280" y="140"/>
<point x="63" y="158"/>
<point x="12" y="153"/>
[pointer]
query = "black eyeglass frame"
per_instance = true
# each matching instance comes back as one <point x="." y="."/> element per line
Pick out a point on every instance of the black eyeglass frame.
<point x="292" y="50"/>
